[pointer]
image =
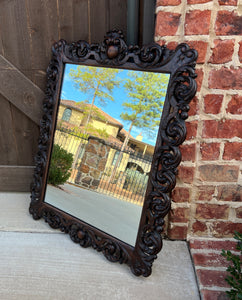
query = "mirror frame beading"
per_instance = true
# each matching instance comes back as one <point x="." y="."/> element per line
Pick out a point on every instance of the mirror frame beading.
<point x="113" y="52"/>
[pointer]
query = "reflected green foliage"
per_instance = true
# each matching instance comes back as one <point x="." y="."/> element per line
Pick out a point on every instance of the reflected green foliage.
<point x="97" y="82"/>
<point x="235" y="277"/>
<point x="60" y="165"/>
<point x="144" y="105"/>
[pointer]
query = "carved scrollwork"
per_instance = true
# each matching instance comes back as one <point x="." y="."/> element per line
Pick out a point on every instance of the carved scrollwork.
<point x="113" y="51"/>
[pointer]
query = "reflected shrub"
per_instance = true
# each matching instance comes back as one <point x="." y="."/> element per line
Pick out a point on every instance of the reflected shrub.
<point x="60" y="165"/>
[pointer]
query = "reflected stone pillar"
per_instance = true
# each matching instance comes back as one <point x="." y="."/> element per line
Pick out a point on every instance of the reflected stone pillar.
<point x="93" y="163"/>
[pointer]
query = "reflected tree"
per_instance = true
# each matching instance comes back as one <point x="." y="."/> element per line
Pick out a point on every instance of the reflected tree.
<point x="143" y="107"/>
<point x="98" y="83"/>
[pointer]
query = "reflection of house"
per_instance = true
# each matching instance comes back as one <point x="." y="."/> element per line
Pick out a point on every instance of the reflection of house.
<point x="73" y="115"/>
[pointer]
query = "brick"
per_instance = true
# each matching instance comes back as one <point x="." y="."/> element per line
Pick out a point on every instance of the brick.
<point x="222" y="51"/>
<point x="228" y="23"/>
<point x="186" y="174"/>
<point x="179" y="214"/>
<point x="212" y="211"/>
<point x="199" y="79"/>
<point x="232" y="151"/>
<point x="212" y="278"/>
<point x="167" y="23"/>
<point x="213" y="245"/>
<point x="172" y="45"/>
<point x="210" y="151"/>
<point x="197" y="1"/>
<point x="191" y="129"/>
<point x="199" y="228"/>
<point x="225" y="229"/>
<point x="197" y="22"/>
<point x="213" y="103"/>
<point x="222" y="129"/>
<point x="228" y="2"/>
<point x="225" y="79"/>
<point x="205" y="193"/>
<point x="238" y="212"/>
<point x="218" y="173"/>
<point x="209" y="260"/>
<point x="181" y="194"/>
<point x="235" y="105"/>
<point x="177" y="232"/>
<point x="168" y="2"/>
<point x="201" y="48"/>
<point x="230" y="193"/>
<point x="188" y="152"/>
<point x="240" y="51"/>
<point x="193" y="107"/>
<point x="212" y="295"/>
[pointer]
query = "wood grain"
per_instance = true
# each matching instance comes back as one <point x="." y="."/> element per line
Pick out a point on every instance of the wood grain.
<point x="99" y="12"/>
<point x="28" y="30"/>
<point x="43" y="22"/>
<point x="15" y="178"/>
<point x="8" y="146"/>
<point x="20" y="91"/>
<point x="118" y="15"/>
<point x="73" y="20"/>
<point x="26" y="138"/>
<point x="14" y="33"/>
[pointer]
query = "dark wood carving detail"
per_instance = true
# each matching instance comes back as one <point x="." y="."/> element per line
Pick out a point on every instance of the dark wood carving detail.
<point x="113" y="51"/>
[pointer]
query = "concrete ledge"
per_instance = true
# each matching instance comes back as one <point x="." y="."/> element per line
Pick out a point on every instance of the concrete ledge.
<point x="40" y="263"/>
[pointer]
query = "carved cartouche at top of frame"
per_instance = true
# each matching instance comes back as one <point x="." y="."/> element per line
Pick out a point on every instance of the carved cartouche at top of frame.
<point x="113" y="51"/>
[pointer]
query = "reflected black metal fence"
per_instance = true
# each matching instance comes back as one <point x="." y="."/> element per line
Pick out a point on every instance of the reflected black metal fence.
<point x="131" y="177"/>
<point x="74" y="142"/>
<point x="128" y="182"/>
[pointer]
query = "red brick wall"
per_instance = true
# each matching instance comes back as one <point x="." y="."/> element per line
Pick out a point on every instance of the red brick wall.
<point x="207" y="200"/>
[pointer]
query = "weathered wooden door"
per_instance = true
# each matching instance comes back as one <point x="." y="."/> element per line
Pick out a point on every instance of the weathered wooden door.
<point x="28" y="28"/>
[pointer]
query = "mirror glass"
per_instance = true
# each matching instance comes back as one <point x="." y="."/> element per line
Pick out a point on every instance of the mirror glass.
<point x="103" y="146"/>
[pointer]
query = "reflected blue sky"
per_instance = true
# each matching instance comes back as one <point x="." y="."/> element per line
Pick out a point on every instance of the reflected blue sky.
<point x="114" y="109"/>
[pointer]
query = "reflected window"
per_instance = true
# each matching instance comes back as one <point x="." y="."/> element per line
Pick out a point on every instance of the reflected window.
<point x="66" y="115"/>
<point x="115" y="158"/>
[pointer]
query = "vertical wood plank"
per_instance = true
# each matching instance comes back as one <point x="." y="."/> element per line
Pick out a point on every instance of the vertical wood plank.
<point x="118" y="15"/>
<point x="26" y="134"/>
<point x="43" y="23"/>
<point x="8" y="145"/>
<point x="73" y="20"/>
<point x="18" y="136"/>
<point x="1" y="44"/>
<point x="99" y="12"/>
<point x="14" y="33"/>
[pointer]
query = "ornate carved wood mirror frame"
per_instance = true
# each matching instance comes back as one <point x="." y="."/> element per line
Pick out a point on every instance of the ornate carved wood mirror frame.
<point x="113" y="52"/>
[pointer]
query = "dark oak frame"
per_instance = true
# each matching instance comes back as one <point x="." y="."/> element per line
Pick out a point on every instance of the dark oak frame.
<point x="113" y="52"/>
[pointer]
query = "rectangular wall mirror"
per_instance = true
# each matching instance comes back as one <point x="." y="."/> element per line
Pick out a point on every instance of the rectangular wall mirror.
<point x="107" y="122"/>
<point x="113" y="119"/>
